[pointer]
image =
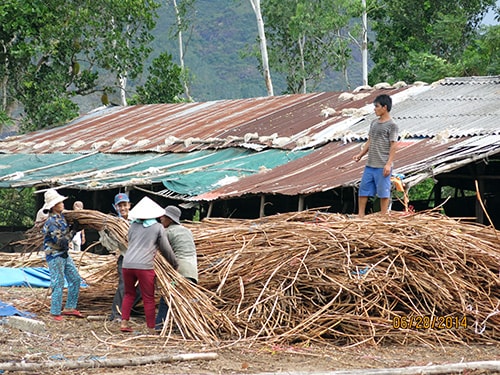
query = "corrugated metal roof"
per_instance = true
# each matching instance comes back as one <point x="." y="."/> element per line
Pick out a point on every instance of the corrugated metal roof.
<point x="456" y="107"/>
<point x="332" y="166"/>
<point x="280" y="122"/>
<point x="452" y="108"/>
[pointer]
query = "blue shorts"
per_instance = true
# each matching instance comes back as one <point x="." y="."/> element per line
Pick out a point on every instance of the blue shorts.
<point x="374" y="183"/>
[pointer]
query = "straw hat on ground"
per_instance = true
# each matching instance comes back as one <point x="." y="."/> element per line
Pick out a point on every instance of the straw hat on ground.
<point x="146" y="209"/>
<point x="52" y="197"/>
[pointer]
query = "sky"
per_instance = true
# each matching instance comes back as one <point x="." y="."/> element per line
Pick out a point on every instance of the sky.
<point x="489" y="19"/>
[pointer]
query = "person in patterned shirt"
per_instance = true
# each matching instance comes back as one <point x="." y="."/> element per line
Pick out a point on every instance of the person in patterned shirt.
<point x="57" y="235"/>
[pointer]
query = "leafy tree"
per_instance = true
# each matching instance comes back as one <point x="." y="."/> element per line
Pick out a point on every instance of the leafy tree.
<point x="5" y="120"/>
<point x="53" y="50"/>
<point x="164" y="83"/>
<point x="413" y="37"/>
<point x="17" y="207"/>
<point x="307" y="38"/>
<point x="123" y="37"/>
<point x="482" y="55"/>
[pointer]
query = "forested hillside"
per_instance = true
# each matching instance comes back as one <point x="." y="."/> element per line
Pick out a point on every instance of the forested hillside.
<point x="222" y="32"/>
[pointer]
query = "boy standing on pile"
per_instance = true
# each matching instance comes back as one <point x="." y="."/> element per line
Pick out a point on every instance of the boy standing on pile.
<point x="381" y="149"/>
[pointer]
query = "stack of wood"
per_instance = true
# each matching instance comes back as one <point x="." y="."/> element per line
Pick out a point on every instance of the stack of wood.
<point x="315" y="276"/>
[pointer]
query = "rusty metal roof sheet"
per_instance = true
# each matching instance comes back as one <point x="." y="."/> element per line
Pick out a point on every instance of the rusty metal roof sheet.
<point x="279" y="122"/>
<point x="332" y="166"/>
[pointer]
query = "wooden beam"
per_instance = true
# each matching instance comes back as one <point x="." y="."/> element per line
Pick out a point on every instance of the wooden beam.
<point x="300" y="206"/>
<point x="451" y="368"/>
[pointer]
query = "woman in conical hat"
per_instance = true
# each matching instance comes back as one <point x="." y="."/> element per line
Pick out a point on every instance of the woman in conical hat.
<point x="145" y="237"/>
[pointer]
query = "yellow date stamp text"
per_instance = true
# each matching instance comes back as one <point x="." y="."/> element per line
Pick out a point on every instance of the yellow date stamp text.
<point x="420" y="322"/>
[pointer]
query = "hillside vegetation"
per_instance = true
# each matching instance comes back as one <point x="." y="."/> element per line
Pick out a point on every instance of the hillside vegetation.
<point x="223" y="31"/>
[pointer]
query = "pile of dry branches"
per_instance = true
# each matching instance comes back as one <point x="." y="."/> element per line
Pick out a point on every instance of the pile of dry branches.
<point x="193" y="310"/>
<point x="317" y="276"/>
<point x="314" y="276"/>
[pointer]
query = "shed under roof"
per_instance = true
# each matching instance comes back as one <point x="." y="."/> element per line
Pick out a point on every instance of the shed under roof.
<point x="230" y="148"/>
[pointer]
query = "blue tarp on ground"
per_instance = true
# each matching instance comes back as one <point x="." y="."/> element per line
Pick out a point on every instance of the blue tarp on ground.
<point x="35" y="277"/>
<point x="9" y="310"/>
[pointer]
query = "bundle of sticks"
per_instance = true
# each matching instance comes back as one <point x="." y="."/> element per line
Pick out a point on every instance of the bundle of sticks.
<point x="193" y="310"/>
<point x="112" y="230"/>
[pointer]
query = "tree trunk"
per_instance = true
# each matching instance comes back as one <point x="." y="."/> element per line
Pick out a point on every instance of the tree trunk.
<point x="302" y="42"/>
<point x="364" y="45"/>
<point x="123" y="90"/>
<point x="263" y="46"/>
<point x="181" y="50"/>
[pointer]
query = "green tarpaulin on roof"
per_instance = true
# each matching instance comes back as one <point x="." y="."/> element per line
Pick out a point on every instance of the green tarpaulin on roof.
<point x="183" y="173"/>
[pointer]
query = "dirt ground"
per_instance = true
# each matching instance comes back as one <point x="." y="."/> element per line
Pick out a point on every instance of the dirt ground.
<point x="96" y="339"/>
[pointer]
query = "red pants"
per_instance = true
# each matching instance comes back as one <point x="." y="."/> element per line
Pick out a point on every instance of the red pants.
<point x="146" y="280"/>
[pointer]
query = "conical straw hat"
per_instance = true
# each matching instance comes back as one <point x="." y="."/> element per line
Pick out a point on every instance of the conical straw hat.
<point x="146" y="209"/>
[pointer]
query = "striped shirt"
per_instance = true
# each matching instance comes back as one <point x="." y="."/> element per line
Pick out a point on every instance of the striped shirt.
<point x="381" y="134"/>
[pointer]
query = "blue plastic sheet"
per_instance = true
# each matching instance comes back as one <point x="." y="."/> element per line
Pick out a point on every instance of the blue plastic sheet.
<point x="34" y="277"/>
<point x="9" y="310"/>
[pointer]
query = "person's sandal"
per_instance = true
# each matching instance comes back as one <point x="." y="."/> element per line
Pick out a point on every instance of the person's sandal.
<point x="73" y="312"/>
<point x="126" y="329"/>
<point x="58" y="318"/>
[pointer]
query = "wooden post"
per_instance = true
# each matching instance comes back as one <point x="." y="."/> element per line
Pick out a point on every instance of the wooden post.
<point x="210" y="207"/>
<point x="300" y="206"/>
<point x="262" y="204"/>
